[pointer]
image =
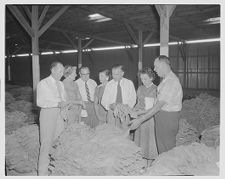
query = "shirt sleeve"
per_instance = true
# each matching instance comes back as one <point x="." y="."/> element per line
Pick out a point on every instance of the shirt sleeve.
<point x="133" y="97"/>
<point x="106" y="98"/>
<point x="169" y="90"/>
<point x="43" y="97"/>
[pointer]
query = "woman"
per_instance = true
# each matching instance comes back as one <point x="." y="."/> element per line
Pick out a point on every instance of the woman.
<point x="72" y="114"/>
<point x="144" y="136"/>
<point x="104" y="76"/>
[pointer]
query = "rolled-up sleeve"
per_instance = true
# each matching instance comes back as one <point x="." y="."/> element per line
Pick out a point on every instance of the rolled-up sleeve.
<point x="44" y="99"/>
<point x="132" y="97"/>
<point x="168" y="92"/>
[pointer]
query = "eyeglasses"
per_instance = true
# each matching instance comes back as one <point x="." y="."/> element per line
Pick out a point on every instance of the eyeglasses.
<point x="85" y="74"/>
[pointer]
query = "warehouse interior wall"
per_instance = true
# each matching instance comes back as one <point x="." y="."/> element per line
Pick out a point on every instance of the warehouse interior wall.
<point x="206" y="76"/>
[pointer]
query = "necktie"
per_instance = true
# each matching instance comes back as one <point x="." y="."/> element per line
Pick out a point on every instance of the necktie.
<point x="119" y="94"/>
<point x="59" y="90"/>
<point x="87" y="91"/>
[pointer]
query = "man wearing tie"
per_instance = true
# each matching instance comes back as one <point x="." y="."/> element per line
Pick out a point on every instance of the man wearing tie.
<point x="51" y="98"/>
<point x="87" y="90"/>
<point x="118" y="91"/>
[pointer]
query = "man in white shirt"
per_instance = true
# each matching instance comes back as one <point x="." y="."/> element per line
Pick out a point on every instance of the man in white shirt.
<point x="167" y="107"/>
<point x="87" y="90"/>
<point x="51" y="98"/>
<point x="118" y="91"/>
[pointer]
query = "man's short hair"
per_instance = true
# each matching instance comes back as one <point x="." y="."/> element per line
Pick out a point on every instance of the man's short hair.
<point x="83" y="67"/>
<point x="164" y="58"/>
<point x="118" y="66"/>
<point x="54" y="64"/>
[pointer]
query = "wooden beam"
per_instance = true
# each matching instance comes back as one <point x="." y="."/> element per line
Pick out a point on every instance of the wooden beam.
<point x="69" y="39"/>
<point x="131" y="33"/>
<point x="35" y="51"/>
<point x="27" y="10"/>
<point x="91" y="36"/>
<point x="88" y="43"/>
<point x="55" y="43"/>
<point x="44" y="12"/>
<point x="17" y="14"/>
<point x="121" y="21"/>
<point x="148" y="38"/>
<point x="52" y="20"/>
<point x="79" y="53"/>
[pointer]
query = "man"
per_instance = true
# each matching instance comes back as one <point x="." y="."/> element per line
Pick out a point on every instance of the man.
<point x="118" y="91"/>
<point x="167" y="107"/>
<point x="87" y="90"/>
<point x="51" y="98"/>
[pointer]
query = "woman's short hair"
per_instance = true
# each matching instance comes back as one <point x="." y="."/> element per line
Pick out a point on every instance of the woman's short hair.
<point x="148" y="71"/>
<point x="68" y="70"/>
<point x="107" y="72"/>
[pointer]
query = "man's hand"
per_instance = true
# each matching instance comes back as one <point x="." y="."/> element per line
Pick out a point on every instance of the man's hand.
<point x="134" y="124"/>
<point x="83" y="105"/>
<point x="63" y="104"/>
<point x="112" y="106"/>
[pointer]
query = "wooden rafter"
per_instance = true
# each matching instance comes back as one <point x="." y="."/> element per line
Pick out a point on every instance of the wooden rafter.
<point x="148" y="37"/>
<point x="27" y="10"/>
<point x="134" y="24"/>
<point x="55" y="43"/>
<point x="90" y="36"/>
<point x="52" y="20"/>
<point x="131" y="33"/>
<point x="42" y="16"/>
<point x="17" y="14"/>
<point x="69" y="39"/>
<point x="88" y="43"/>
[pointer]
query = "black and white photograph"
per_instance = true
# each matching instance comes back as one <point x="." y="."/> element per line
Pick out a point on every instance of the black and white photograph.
<point x="111" y="89"/>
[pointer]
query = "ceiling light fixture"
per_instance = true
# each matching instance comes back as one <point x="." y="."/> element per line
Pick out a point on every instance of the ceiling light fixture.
<point x="214" y="20"/>
<point x="98" y="18"/>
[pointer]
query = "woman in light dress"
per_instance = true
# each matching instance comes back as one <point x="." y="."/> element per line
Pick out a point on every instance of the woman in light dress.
<point x="101" y="113"/>
<point x="72" y="114"/>
<point x="144" y="136"/>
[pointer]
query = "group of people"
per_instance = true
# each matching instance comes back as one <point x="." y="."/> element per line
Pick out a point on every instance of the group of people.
<point x="67" y="101"/>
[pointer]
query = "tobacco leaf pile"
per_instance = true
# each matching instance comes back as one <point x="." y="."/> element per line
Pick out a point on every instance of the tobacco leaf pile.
<point x="22" y="149"/>
<point x="195" y="159"/>
<point x="186" y="133"/>
<point x="105" y="151"/>
<point x="202" y="112"/>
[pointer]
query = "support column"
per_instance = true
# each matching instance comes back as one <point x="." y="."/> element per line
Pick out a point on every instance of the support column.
<point x="140" y="50"/>
<point x="35" y="50"/>
<point x="164" y="11"/>
<point x="79" y="52"/>
<point x="9" y="69"/>
<point x="140" y="53"/>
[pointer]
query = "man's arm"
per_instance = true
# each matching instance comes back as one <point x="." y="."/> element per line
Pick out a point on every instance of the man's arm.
<point x="149" y="113"/>
<point x="44" y="99"/>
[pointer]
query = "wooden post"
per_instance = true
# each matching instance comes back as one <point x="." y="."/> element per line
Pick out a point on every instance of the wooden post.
<point x="208" y="79"/>
<point x="197" y="69"/>
<point x="9" y="68"/>
<point x="79" y="52"/>
<point x="140" y="53"/>
<point x="164" y="11"/>
<point x="35" y="50"/>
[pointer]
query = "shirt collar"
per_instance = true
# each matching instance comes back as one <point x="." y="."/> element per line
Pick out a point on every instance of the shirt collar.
<point x="117" y="81"/>
<point x="52" y="79"/>
<point x="168" y="75"/>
